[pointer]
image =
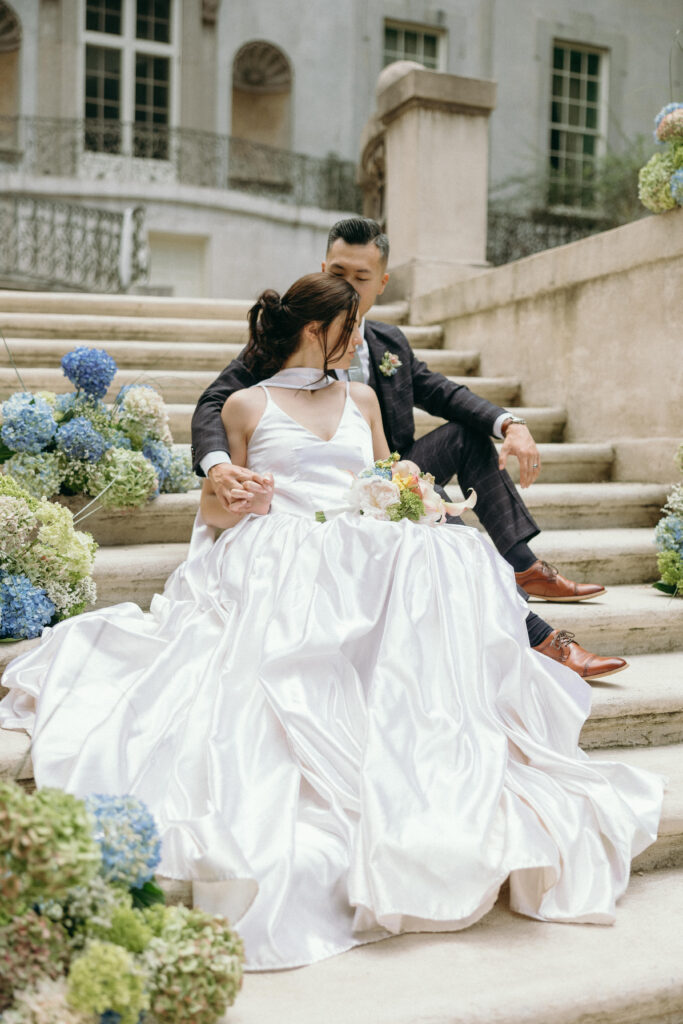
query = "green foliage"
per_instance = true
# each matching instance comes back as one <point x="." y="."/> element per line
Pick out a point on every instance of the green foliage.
<point x="410" y="506"/>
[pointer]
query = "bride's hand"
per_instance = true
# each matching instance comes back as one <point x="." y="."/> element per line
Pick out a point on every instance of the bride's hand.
<point x="236" y="487"/>
<point x="256" y="503"/>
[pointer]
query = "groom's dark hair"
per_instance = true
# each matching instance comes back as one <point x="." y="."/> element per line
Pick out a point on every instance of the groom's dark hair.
<point x="360" y="231"/>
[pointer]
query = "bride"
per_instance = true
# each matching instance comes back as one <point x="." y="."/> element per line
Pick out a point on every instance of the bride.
<point x="340" y="727"/>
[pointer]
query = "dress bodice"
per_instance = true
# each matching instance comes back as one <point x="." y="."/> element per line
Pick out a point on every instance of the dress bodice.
<point x="309" y="473"/>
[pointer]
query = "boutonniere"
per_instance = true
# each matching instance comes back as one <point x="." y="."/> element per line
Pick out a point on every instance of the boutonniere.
<point x="390" y="364"/>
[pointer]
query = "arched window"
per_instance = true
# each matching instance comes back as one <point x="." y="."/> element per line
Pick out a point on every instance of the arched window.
<point x="10" y="45"/>
<point x="261" y="95"/>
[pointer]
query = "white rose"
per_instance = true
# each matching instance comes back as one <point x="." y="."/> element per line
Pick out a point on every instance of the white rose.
<point x="372" y="495"/>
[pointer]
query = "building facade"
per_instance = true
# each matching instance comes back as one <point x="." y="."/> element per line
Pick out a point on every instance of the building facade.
<point x="236" y="124"/>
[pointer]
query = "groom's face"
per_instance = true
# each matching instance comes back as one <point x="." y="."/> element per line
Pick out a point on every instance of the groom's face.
<point x="361" y="266"/>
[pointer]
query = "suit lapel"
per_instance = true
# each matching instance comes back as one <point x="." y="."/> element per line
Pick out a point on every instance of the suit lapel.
<point x="381" y="384"/>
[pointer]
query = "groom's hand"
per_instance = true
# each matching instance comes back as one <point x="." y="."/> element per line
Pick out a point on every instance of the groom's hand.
<point x="237" y="488"/>
<point x="519" y="442"/>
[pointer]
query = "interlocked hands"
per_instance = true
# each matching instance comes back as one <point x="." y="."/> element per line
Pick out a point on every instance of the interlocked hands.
<point x="241" y="490"/>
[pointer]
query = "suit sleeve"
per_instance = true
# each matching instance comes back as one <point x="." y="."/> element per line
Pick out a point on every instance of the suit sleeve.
<point x="438" y="395"/>
<point x="208" y="434"/>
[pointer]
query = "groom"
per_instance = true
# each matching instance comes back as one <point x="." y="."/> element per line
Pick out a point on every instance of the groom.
<point x="358" y="251"/>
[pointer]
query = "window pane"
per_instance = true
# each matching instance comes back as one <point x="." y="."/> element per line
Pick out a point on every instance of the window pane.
<point x="153" y="20"/>
<point x="390" y="39"/>
<point x="574" y="114"/>
<point x="592" y="92"/>
<point x="593" y="64"/>
<point x="591" y="118"/>
<point x="410" y="44"/>
<point x="558" y="58"/>
<point x="102" y="107"/>
<point x="589" y="144"/>
<point x="556" y="113"/>
<point x="558" y="85"/>
<point x="430" y="47"/>
<point x="151" y="107"/>
<point x="575" y="61"/>
<point x="103" y="16"/>
<point x="575" y="88"/>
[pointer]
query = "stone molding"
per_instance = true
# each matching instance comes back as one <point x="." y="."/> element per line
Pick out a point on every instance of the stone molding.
<point x="434" y="90"/>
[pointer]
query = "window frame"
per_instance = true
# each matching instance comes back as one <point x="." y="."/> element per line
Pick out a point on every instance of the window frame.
<point x="129" y="46"/>
<point x="420" y="28"/>
<point x="599" y="133"/>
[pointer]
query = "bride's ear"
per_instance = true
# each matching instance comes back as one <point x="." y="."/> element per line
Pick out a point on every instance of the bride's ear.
<point x="312" y="331"/>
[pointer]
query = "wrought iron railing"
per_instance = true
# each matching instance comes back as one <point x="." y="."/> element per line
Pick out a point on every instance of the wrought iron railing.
<point x="150" y="152"/>
<point x="52" y="244"/>
<point x="511" y="236"/>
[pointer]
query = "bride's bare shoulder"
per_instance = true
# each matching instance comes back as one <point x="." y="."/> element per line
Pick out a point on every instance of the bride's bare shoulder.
<point x="363" y="395"/>
<point x="245" y="404"/>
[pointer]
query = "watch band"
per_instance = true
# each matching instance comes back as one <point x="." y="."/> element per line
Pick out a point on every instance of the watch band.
<point x="508" y="420"/>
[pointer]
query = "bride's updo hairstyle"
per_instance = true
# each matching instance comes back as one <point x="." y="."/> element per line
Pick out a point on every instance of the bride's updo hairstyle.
<point x="276" y="322"/>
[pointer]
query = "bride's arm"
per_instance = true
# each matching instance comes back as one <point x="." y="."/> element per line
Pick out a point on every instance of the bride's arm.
<point x="241" y="413"/>
<point x="366" y="400"/>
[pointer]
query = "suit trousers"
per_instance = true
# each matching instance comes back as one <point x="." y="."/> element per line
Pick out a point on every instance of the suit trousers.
<point x="456" y="450"/>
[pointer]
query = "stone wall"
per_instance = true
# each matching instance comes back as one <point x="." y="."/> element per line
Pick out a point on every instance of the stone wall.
<point x="596" y="326"/>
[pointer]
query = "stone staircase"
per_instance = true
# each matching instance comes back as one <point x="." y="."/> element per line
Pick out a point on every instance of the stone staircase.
<point x="505" y="969"/>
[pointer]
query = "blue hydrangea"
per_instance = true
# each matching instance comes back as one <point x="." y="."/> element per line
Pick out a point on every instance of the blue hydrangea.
<point x="669" y="534"/>
<point x="660" y="117"/>
<point x="27" y="423"/>
<point x="24" y="609"/>
<point x="40" y="474"/>
<point x="676" y="186"/>
<point x="181" y="476"/>
<point x="89" y="369"/>
<point x="128" y="839"/>
<point x="78" y="439"/>
<point x="159" y="455"/>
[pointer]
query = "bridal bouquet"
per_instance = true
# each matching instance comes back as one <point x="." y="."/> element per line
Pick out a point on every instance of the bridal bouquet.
<point x="45" y="564"/>
<point x="669" y="540"/>
<point x="85" y="937"/>
<point x="660" y="181"/>
<point x="75" y="443"/>
<point x="394" y="489"/>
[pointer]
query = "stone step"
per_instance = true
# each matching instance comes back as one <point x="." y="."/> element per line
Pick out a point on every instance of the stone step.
<point x="185" y="386"/>
<point x="608" y="556"/>
<point x="135" y="572"/>
<point x="102" y="329"/>
<point x="177" y="355"/>
<point x="84" y="304"/>
<point x="546" y="423"/>
<point x="570" y="462"/>
<point x="640" y="707"/>
<point x="628" y="619"/>
<point x="576" y="506"/>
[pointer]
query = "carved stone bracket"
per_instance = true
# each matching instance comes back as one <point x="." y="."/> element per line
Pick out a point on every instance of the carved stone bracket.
<point x="209" y="11"/>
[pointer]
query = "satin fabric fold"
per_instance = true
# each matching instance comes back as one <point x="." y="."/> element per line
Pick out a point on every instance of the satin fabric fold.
<point x="340" y="728"/>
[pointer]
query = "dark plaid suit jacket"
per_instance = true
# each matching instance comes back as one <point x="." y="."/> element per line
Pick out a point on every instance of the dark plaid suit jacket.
<point x="414" y="384"/>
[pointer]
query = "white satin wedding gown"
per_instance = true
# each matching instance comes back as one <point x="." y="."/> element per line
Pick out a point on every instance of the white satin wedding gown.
<point x="340" y="728"/>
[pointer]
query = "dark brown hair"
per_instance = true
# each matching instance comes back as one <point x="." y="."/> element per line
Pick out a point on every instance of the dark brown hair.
<point x="276" y="323"/>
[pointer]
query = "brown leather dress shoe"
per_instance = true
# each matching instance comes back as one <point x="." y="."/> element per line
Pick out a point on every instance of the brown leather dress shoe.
<point x="544" y="581"/>
<point x="561" y="646"/>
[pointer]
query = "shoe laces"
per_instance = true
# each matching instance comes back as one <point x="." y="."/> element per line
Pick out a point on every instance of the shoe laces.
<point x="563" y="640"/>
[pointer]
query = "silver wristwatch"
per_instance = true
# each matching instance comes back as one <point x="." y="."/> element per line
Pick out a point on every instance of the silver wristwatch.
<point x="509" y="420"/>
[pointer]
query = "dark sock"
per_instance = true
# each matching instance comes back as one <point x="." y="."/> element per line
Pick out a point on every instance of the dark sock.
<point x="520" y="556"/>
<point x="537" y="628"/>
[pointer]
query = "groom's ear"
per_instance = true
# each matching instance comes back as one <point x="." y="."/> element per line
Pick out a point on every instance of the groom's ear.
<point x="383" y="283"/>
<point x="323" y="266"/>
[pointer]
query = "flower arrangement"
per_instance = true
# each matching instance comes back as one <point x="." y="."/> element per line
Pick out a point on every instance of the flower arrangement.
<point x="390" y="364"/>
<point x="660" y="181"/>
<point x="669" y="540"/>
<point x="45" y="563"/>
<point x="393" y="489"/>
<point x="74" y="443"/>
<point x="85" y="937"/>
